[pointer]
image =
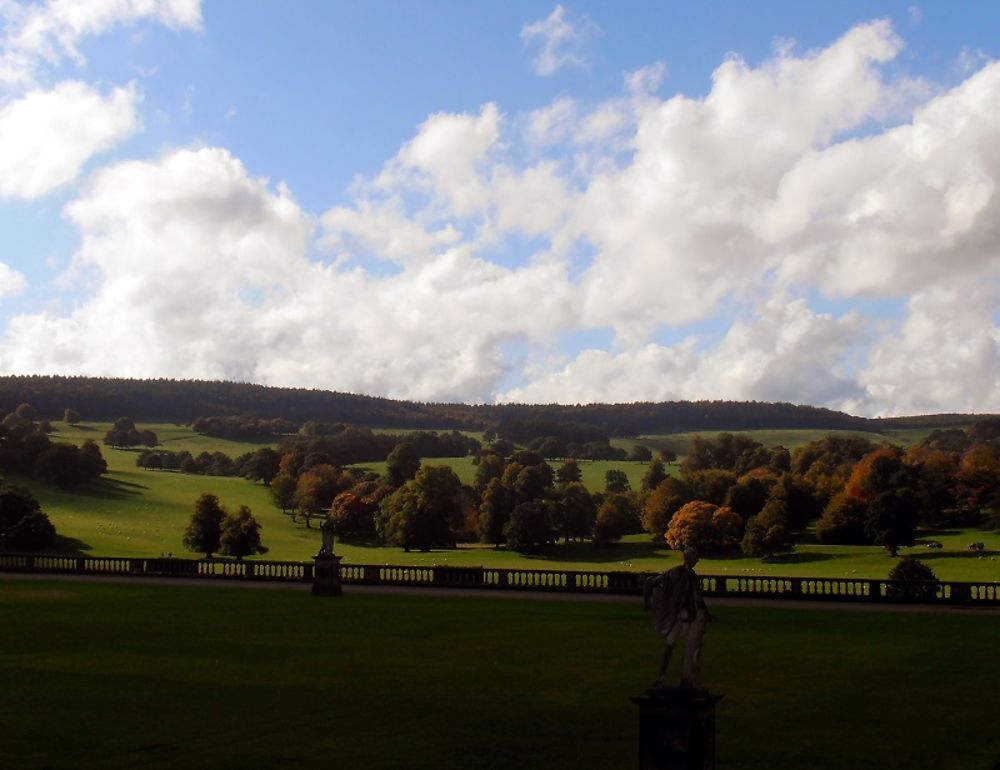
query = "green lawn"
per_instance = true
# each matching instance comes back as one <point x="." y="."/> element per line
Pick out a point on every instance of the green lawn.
<point x="169" y="676"/>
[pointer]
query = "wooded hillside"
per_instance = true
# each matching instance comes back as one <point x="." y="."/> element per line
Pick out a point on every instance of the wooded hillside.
<point x="99" y="398"/>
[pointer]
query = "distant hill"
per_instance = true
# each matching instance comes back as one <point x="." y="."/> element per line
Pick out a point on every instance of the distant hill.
<point x="164" y="400"/>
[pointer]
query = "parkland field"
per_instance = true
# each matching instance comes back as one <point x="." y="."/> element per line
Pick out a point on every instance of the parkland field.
<point x="99" y="676"/>
<point x="138" y="512"/>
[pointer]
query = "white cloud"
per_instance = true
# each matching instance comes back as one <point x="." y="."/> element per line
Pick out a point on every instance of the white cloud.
<point x="788" y="353"/>
<point x="906" y="209"/>
<point x="445" y="158"/>
<point x="561" y="40"/>
<point x="632" y="214"/>
<point x="645" y="80"/>
<point x="47" y="136"/>
<point x="45" y="33"/>
<point x="48" y="133"/>
<point x="200" y="270"/>
<point x="551" y="124"/>
<point x="946" y="356"/>
<point x="11" y="281"/>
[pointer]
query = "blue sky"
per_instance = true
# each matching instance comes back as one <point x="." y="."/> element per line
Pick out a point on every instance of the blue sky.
<point x="508" y="201"/>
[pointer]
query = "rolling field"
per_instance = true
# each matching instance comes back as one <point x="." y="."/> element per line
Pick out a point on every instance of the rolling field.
<point x="135" y="512"/>
<point x="169" y="676"/>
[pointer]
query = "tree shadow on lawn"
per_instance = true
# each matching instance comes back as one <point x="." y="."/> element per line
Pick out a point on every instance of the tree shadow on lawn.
<point x="799" y="558"/>
<point x="956" y="555"/>
<point x="69" y="546"/>
<point x="111" y="489"/>
<point x="588" y="553"/>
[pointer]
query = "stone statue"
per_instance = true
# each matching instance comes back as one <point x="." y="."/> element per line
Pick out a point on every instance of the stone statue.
<point x="328" y="530"/>
<point x="679" y="611"/>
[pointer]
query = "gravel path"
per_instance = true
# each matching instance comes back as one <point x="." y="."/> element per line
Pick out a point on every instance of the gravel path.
<point x="483" y="593"/>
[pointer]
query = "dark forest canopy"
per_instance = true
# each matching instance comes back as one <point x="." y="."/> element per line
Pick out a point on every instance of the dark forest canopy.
<point x="165" y="400"/>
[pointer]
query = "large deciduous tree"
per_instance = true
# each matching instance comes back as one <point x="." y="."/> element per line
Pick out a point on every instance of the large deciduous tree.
<point x="425" y="512"/>
<point x="23" y="524"/>
<point x="691" y="525"/>
<point x="205" y="525"/>
<point x="402" y="464"/>
<point x="240" y="535"/>
<point x="494" y="512"/>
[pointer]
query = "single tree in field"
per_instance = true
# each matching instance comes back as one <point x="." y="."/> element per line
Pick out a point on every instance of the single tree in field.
<point x="148" y="438"/>
<point x="240" y="535"/>
<point x="668" y="456"/>
<point x="655" y="474"/>
<point x="263" y="465"/>
<point x="205" y="525"/>
<point x="892" y="519"/>
<point x="616" y="482"/>
<point x="402" y="464"/>
<point x="640" y="454"/>
<point x="569" y="472"/>
<point x="283" y="492"/>
<point x="71" y="416"/>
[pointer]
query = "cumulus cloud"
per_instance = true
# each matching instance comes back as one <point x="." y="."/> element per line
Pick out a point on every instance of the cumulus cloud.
<point x="787" y="353"/>
<point x="634" y="214"/>
<point x="946" y="356"/>
<point x="11" y="281"/>
<point x="202" y="271"/>
<point x="44" y="34"/>
<point x="560" y="39"/>
<point x="47" y="136"/>
<point x="48" y="133"/>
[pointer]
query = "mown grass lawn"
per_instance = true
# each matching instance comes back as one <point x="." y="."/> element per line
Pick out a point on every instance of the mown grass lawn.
<point x="169" y="676"/>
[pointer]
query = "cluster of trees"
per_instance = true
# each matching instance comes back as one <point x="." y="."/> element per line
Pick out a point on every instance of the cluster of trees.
<point x="734" y="491"/>
<point x="25" y="448"/>
<point x="212" y="529"/>
<point x="260" y="465"/>
<point x="124" y="434"/>
<point x="24" y="526"/>
<point x="240" y="428"/>
<point x="348" y="445"/>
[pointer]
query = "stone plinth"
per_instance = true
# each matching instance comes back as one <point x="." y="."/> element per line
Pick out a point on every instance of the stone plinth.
<point x="326" y="576"/>
<point x="676" y="729"/>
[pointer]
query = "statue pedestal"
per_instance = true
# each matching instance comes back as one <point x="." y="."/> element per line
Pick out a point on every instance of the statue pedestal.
<point x="326" y="576"/>
<point x="676" y="729"/>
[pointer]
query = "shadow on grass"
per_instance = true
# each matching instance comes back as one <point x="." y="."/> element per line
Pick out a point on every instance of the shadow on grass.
<point x="587" y="553"/>
<point x="69" y="546"/>
<point x="955" y="555"/>
<point x="799" y="558"/>
<point x="111" y="489"/>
